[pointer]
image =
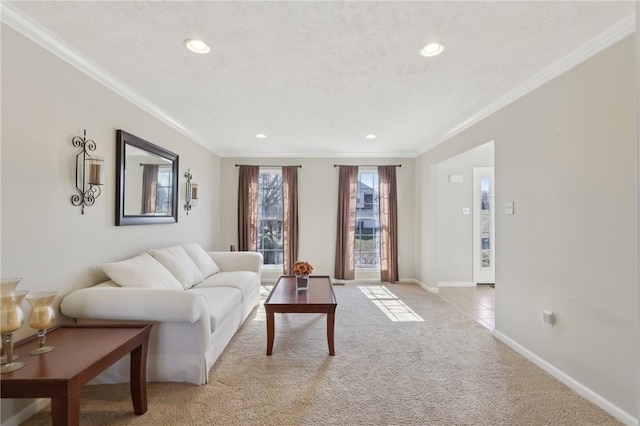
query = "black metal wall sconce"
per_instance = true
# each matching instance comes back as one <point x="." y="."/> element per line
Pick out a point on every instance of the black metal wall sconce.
<point x="191" y="192"/>
<point x="89" y="172"/>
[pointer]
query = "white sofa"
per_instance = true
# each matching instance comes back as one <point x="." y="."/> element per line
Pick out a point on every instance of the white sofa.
<point x="197" y="301"/>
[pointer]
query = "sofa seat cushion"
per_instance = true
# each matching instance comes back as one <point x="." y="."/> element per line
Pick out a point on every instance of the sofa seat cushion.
<point x="246" y="281"/>
<point x="221" y="301"/>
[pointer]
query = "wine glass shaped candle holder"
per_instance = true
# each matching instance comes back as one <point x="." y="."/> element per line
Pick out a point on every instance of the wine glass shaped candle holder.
<point x="42" y="316"/>
<point x="7" y="286"/>
<point x="11" y="319"/>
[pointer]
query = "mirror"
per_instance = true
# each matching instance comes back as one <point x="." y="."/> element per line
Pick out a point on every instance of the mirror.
<point x="147" y="182"/>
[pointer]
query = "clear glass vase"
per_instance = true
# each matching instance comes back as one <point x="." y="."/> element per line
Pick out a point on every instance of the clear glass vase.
<point x="302" y="282"/>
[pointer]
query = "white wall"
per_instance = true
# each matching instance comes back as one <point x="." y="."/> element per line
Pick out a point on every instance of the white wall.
<point x="638" y="188"/>
<point x="454" y="229"/>
<point x="45" y="239"/>
<point x="566" y="154"/>
<point x="318" y="206"/>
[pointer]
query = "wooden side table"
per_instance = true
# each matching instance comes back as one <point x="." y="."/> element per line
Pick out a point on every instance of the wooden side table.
<point x="81" y="352"/>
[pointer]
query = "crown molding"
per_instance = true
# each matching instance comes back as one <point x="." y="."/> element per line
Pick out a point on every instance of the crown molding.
<point x="622" y="29"/>
<point x="11" y="16"/>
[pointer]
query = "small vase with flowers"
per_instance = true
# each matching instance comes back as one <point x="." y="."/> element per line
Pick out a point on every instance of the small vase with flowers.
<point x="301" y="270"/>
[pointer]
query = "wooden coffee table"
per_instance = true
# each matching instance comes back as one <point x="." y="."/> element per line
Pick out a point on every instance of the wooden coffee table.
<point x="318" y="299"/>
<point x="81" y="353"/>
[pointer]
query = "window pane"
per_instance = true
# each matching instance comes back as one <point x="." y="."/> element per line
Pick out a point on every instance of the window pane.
<point x="485" y="222"/>
<point x="270" y="216"/>
<point x="163" y="190"/>
<point x="368" y="221"/>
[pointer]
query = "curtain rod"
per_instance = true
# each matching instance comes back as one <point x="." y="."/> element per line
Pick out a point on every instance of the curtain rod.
<point x="270" y="165"/>
<point x="367" y="165"/>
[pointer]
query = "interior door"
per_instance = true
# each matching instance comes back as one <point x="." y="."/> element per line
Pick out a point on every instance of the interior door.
<point x="483" y="225"/>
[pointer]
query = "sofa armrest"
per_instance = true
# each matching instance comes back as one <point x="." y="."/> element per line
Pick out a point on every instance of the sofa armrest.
<point x="237" y="260"/>
<point x="135" y="304"/>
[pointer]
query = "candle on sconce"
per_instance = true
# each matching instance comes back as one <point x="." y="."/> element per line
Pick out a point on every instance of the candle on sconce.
<point x="96" y="171"/>
<point x="194" y="191"/>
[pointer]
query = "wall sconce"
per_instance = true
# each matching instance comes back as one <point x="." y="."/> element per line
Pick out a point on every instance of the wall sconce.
<point x="89" y="173"/>
<point x="191" y="192"/>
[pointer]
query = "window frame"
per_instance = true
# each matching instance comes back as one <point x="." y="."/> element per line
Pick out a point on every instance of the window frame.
<point x="268" y="254"/>
<point x="374" y="205"/>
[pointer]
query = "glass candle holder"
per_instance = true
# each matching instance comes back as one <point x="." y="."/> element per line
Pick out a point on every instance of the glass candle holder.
<point x="42" y="317"/>
<point x="7" y="287"/>
<point x="95" y="171"/>
<point x="11" y="319"/>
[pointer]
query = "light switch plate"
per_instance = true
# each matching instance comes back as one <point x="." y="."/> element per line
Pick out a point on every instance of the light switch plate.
<point x="508" y="207"/>
<point x="466" y="210"/>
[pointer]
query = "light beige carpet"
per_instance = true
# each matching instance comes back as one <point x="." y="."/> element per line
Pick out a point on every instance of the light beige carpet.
<point x="445" y="370"/>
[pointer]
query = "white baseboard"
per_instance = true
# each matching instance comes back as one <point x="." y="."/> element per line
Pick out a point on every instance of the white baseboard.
<point x="425" y="287"/>
<point x="456" y="284"/>
<point x="270" y="281"/>
<point x="357" y="281"/>
<point x="26" y="412"/>
<point x="578" y="387"/>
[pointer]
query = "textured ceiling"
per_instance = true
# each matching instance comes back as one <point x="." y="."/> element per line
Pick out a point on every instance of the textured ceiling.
<point x="317" y="77"/>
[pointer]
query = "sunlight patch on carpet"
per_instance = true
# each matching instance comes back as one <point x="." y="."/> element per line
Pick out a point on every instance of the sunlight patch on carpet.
<point x="261" y="314"/>
<point x="394" y="308"/>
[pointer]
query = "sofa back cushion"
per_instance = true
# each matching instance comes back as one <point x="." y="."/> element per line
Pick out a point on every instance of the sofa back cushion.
<point x="140" y="271"/>
<point x="178" y="262"/>
<point x="201" y="258"/>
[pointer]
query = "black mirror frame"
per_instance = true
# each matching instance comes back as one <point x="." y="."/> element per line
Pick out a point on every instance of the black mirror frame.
<point x="123" y="138"/>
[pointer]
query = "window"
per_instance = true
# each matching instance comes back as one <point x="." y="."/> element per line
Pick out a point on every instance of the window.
<point x="270" y="216"/>
<point x="163" y="190"/>
<point x="368" y="220"/>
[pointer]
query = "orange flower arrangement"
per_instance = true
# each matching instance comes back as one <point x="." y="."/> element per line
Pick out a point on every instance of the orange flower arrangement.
<point x="302" y="268"/>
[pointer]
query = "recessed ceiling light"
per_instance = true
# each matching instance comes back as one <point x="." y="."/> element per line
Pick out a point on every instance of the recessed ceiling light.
<point x="261" y="136"/>
<point x="370" y="136"/>
<point x="197" y="46"/>
<point x="432" y="49"/>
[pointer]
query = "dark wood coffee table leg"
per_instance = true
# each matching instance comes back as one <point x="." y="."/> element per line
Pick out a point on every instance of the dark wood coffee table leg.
<point x="139" y="378"/>
<point x="331" y="318"/>
<point x="66" y="411"/>
<point x="270" y="330"/>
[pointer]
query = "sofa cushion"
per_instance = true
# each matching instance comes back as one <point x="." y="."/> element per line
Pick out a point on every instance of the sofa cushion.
<point x="178" y="262"/>
<point x="221" y="301"/>
<point x="246" y="281"/>
<point x="141" y="271"/>
<point x="202" y="259"/>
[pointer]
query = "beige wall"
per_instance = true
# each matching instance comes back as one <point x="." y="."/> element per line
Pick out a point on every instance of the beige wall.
<point x="454" y="229"/>
<point x="566" y="154"/>
<point x="318" y="201"/>
<point x="45" y="239"/>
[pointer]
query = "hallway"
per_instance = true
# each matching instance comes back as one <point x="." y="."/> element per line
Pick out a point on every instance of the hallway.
<point x="477" y="302"/>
